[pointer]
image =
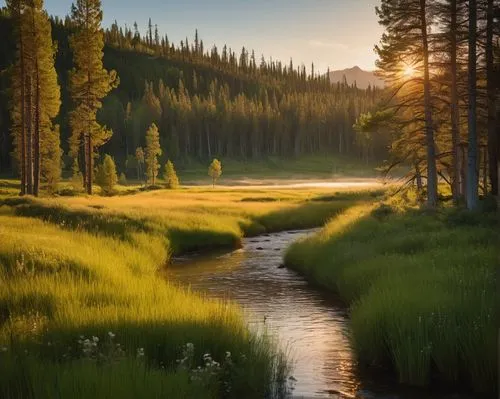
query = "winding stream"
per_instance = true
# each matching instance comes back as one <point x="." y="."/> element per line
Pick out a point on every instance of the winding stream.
<point x="311" y="325"/>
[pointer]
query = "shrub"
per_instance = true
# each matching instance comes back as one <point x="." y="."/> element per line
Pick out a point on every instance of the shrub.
<point x="123" y="179"/>
<point x="106" y="175"/>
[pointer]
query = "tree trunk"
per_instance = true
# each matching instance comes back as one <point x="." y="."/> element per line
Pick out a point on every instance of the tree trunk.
<point x="36" y="107"/>
<point x="88" y="163"/>
<point x="429" y="128"/>
<point x="455" y="113"/>
<point x="91" y="165"/>
<point x="485" y="170"/>
<point x="472" y="175"/>
<point x="208" y="142"/>
<point x="418" y="178"/>
<point x="23" y="154"/>
<point x="492" y="136"/>
<point x="29" y="140"/>
<point x="36" y="138"/>
<point x="463" y="170"/>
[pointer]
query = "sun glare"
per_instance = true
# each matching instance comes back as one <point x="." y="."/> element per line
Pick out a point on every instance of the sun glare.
<point x="408" y="71"/>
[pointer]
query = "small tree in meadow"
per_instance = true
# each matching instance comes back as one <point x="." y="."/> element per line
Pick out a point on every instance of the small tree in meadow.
<point x="139" y="157"/>
<point x="122" y="179"/>
<point x="170" y="175"/>
<point x="106" y="175"/>
<point x="153" y="151"/>
<point x="215" y="170"/>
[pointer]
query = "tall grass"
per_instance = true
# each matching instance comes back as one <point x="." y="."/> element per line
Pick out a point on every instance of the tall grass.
<point x="422" y="289"/>
<point x="88" y="266"/>
<point x="56" y="285"/>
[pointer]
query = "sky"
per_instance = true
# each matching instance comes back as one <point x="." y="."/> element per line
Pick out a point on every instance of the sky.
<point x="331" y="33"/>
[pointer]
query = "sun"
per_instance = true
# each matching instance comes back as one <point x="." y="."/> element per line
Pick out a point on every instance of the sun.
<point x="409" y="71"/>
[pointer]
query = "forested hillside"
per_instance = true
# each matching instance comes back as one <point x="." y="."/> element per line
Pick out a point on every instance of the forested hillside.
<point x="205" y="102"/>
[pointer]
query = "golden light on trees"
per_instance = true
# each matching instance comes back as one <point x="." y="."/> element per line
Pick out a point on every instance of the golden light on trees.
<point x="409" y="71"/>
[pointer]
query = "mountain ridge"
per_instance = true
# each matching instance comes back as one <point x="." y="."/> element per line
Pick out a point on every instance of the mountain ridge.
<point x="362" y="78"/>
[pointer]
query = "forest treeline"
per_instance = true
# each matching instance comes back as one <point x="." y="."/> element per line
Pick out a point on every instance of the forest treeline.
<point x="205" y="102"/>
<point x="440" y="112"/>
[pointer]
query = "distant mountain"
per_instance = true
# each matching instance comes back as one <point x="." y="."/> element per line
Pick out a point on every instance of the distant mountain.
<point x="356" y="74"/>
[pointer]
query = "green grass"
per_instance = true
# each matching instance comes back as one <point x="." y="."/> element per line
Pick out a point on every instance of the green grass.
<point x="421" y="288"/>
<point x="89" y="265"/>
<point x="313" y="166"/>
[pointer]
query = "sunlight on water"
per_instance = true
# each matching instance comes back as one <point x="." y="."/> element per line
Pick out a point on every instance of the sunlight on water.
<point x="311" y="326"/>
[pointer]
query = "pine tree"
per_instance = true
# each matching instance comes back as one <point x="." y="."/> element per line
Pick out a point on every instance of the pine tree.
<point x="153" y="151"/>
<point x="36" y="99"/>
<point x="139" y="157"/>
<point x="170" y="175"/>
<point x="149" y="40"/>
<point x="106" y="176"/>
<point x="493" y="139"/>
<point x="18" y="108"/>
<point x="89" y="83"/>
<point x="404" y="44"/>
<point x="215" y="171"/>
<point x="122" y="179"/>
<point x="472" y="172"/>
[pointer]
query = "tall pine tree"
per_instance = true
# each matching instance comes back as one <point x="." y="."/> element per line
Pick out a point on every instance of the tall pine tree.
<point x="36" y="98"/>
<point x="153" y="151"/>
<point x="89" y="83"/>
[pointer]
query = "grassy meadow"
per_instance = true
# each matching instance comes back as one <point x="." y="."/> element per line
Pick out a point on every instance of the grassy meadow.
<point x="277" y="168"/>
<point x="84" y="310"/>
<point x="421" y="288"/>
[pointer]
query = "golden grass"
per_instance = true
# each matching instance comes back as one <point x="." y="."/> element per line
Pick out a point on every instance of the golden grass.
<point x="75" y="266"/>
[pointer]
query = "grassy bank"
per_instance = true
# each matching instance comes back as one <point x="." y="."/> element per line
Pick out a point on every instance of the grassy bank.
<point x="421" y="289"/>
<point x="75" y="268"/>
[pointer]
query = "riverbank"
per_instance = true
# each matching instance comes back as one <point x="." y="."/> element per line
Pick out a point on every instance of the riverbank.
<point x="83" y="311"/>
<point x="421" y="288"/>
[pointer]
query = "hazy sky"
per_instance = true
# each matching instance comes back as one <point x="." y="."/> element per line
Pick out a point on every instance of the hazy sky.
<point x="331" y="33"/>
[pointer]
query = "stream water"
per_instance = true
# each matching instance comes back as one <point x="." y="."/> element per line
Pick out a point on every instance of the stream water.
<point x="311" y="325"/>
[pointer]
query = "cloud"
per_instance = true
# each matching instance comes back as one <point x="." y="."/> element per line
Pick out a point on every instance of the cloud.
<point x="332" y="45"/>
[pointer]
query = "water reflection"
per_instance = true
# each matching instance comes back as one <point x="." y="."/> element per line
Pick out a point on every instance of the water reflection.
<point x="307" y="323"/>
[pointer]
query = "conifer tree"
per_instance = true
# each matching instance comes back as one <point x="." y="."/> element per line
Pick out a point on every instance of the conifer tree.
<point x="472" y="159"/>
<point x="153" y="151"/>
<point x="405" y="44"/>
<point x="493" y="122"/>
<point x="122" y="179"/>
<point x="106" y="176"/>
<point x="36" y="99"/>
<point x="139" y="157"/>
<point x="170" y="175"/>
<point x="89" y="83"/>
<point x="215" y="170"/>
<point x="18" y="106"/>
